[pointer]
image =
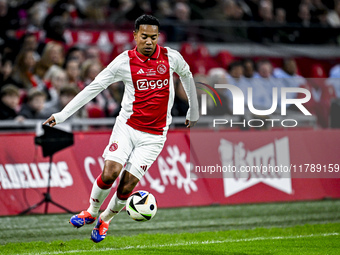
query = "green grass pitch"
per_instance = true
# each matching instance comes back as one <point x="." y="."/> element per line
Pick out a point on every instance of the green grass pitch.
<point x="275" y="228"/>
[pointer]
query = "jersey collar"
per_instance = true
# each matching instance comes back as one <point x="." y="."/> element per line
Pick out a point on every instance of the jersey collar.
<point x="144" y="58"/>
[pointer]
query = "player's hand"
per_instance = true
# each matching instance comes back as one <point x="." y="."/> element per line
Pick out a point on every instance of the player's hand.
<point x="50" y="121"/>
<point x="189" y="123"/>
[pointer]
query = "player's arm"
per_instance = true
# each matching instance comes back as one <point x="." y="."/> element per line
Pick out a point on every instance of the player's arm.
<point x="82" y="98"/>
<point x="183" y="70"/>
<point x="190" y="89"/>
<point x="104" y="79"/>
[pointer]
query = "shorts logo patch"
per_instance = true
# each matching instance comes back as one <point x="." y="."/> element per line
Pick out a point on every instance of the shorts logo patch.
<point x="144" y="167"/>
<point x="113" y="147"/>
<point x="161" y="68"/>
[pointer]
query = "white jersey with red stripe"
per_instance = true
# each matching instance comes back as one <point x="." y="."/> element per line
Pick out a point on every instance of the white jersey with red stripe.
<point x="149" y="90"/>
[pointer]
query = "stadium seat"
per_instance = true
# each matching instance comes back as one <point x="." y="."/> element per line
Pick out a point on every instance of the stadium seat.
<point x="224" y="58"/>
<point x="119" y="48"/>
<point x="202" y="52"/>
<point x="318" y="71"/>
<point x="187" y="51"/>
<point x="94" y="111"/>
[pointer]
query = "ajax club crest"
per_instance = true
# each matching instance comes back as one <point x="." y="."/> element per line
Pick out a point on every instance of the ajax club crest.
<point x="161" y="68"/>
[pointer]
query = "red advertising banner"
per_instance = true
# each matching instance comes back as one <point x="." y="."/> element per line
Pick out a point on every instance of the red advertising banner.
<point x="174" y="178"/>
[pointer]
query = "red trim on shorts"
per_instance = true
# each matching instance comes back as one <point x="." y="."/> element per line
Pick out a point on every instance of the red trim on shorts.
<point x="102" y="184"/>
<point x="123" y="197"/>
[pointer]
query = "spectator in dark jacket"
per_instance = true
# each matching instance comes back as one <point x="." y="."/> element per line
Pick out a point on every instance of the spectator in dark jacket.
<point x="9" y="102"/>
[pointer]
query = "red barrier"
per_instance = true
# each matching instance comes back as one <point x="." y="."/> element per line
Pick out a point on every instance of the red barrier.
<point x="23" y="170"/>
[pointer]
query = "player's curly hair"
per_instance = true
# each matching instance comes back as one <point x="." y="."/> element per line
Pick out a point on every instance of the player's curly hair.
<point x="146" y="20"/>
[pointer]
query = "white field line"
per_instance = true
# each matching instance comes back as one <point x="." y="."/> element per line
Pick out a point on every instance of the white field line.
<point x="186" y="243"/>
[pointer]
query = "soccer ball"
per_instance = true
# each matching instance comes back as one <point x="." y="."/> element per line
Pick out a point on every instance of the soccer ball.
<point x="141" y="206"/>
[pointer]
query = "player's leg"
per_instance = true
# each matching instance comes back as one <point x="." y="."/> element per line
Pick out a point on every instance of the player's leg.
<point x="100" y="190"/>
<point x="102" y="186"/>
<point x="126" y="185"/>
<point x="146" y="151"/>
<point x="115" y="154"/>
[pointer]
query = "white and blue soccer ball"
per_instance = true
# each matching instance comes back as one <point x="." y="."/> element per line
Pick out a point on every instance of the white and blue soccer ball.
<point x="141" y="206"/>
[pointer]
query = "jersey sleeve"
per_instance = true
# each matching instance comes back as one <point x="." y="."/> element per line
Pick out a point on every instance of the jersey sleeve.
<point x="182" y="68"/>
<point x="104" y="79"/>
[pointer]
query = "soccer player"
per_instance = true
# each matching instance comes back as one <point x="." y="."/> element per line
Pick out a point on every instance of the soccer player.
<point x="139" y="133"/>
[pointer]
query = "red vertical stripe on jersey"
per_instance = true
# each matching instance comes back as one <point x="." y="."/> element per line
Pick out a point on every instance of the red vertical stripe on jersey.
<point x="151" y="78"/>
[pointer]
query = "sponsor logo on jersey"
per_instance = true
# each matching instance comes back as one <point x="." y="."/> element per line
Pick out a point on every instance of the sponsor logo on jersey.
<point x="113" y="147"/>
<point x="271" y="156"/>
<point x="145" y="84"/>
<point x="150" y="72"/>
<point x="140" y="71"/>
<point x="161" y="68"/>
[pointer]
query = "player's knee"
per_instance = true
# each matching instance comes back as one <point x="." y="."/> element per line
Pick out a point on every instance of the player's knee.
<point x="111" y="171"/>
<point x="126" y="188"/>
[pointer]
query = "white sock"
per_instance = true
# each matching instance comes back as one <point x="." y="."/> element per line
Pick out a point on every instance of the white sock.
<point x="97" y="198"/>
<point x="114" y="207"/>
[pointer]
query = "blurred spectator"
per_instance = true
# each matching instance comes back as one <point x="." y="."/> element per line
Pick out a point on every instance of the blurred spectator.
<point x="95" y="11"/>
<point x="303" y="33"/>
<point x="29" y="41"/>
<point x="6" y="70"/>
<point x="235" y="76"/>
<point x="266" y="32"/>
<point x="249" y="68"/>
<point x="34" y="106"/>
<point x="253" y="5"/>
<point x="63" y="12"/>
<point x="249" y="73"/>
<point x="23" y="70"/>
<point x="335" y="71"/>
<point x="53" y="54"/>
<point x="55" y="30"/>
<point x="321" y="97"/>
<point x="89" y="70"/>
<point x="288" y="75"/>
<point x="72" y="68"/>
<point x="334" y="79"/>
<point x="104" y="104"/>
<point x="266" y="13"/>
<point x="282" y="34"/>
<point x="66" y="94"/>
<point x="93" y="53"/>
<point x="333" y="17"/>
<point x="9" y="102"/>
<point x="36" y="15"/>
<point x="304" y="15"/>
<point x="181" y="105"/>
<point x="263" y="84"/>
<point x="120" y="8"/>
<point x="9" y="18"/>
<point x="181" y="14"/>
<point x="219" y="76"/>
<point x="76" y="53"/>
<point x="139" y="8"/>
<point x="56" y="78"/>
<point x="280" y="16"/>
<point x="164" y="10"/>
<point x="116" y="92"/>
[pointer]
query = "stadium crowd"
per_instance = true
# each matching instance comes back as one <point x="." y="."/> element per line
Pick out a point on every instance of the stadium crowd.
<point x="39" y="77"/>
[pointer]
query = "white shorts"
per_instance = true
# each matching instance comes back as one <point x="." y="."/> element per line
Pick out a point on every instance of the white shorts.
<point x="135" y="148"/>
